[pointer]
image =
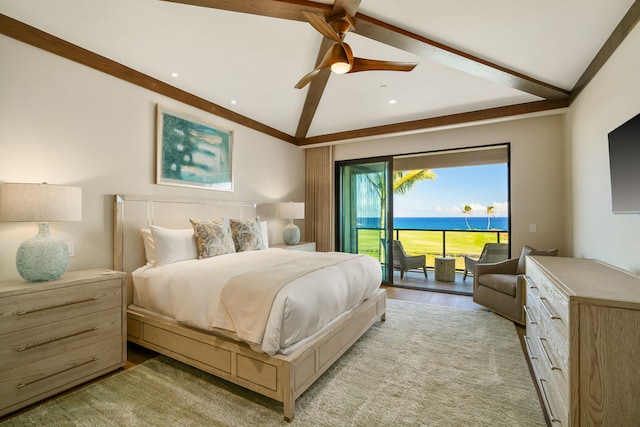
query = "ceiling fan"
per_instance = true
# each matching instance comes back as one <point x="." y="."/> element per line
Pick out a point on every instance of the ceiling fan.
<point x="340" y="57"/>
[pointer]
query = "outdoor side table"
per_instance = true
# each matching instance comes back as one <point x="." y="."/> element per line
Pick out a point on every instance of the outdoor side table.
<point x="445" y="269"/>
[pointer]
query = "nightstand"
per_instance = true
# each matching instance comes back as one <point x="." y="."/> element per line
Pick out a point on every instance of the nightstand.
<point x="301" y="246"/>
<point x="56" y="335"/>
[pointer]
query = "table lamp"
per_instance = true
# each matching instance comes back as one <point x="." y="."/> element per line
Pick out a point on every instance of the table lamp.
<point x="43" y="257"/>
<point x="291" y="211"/>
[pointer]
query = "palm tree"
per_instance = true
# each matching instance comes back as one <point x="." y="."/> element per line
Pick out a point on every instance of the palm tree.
<point x="403" y="182"/>
<point x="490" y="212"/>
<point x="466" y="211"/>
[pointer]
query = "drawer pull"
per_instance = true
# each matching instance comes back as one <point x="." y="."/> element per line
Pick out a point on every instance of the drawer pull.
<point x="35" y="310"/>
<point x="530" y="283"/>
<point x="527" y="312"/>
<point x="75" y="334"/>
<point x="529" y="350"/>
<point x="547" y="402"/>
<point x="546" y="353"/>
<point x="93" y="359"/>
<point x="550" y="312"/>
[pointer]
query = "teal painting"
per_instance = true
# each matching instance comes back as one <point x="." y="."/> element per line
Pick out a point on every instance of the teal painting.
<point x="192" y="152"/>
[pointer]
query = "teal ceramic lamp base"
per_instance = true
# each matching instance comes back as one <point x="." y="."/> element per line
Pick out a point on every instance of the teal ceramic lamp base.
<point x="43" y="257"/>
<point x="291" y="234"/>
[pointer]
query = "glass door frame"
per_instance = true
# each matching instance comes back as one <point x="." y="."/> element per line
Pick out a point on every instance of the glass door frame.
<point x="387" y="161"/>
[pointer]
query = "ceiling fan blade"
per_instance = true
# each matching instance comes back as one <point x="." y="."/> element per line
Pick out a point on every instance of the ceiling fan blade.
<point x="335" y="53"/>
<point x="307" y="78"/>
<point x="361" y="64"/>
<point x="318" y="22"/>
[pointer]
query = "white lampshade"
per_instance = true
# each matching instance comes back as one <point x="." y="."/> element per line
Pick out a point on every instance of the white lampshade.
<point x="43" y="257"/>
<point x="291" y="210"/>
<point x="40" y="203"/>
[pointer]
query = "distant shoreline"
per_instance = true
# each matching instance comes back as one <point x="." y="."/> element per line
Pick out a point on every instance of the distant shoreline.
<point x="458" y="223"/>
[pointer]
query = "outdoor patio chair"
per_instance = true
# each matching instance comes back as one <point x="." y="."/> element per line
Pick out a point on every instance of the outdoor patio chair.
<point x="405" y="262"/>
<point x="491" y="252"/>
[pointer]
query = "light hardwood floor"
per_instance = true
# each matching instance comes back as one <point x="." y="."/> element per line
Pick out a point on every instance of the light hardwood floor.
<point x="137" y="354"/>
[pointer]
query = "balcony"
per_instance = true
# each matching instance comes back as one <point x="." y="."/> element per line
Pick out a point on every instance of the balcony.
<point x="432" y="243"/>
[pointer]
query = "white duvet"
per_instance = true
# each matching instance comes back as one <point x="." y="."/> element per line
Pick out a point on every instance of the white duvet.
<point x="189" y="292"/>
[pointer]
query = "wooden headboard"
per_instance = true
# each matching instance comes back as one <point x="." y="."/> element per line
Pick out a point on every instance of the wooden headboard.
<point x="133" y="213"/>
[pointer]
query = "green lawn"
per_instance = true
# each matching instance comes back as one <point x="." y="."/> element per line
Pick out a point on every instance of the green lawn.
<point x="429" y="243"/>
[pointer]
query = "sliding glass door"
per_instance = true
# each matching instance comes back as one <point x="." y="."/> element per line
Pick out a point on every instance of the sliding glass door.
<point x="364" y="220"/>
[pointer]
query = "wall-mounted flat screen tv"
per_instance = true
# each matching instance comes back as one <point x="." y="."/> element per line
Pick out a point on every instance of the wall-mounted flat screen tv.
<point x="624" y="164"/>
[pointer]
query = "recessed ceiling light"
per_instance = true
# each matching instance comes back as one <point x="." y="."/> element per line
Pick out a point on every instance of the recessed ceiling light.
<point x="392" y="101"/>
<point x="233" y="101"/>
<point x="174" y="75"/>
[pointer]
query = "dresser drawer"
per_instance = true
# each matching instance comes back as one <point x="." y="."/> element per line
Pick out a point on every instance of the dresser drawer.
<point x="555" y="330"/>
<point x="27" y="310"/>
<point x="555" y="301"/>
<point x="554" y="388"/>
<point x="550" y="308"/>
<point x="42" y="378"/>
<point x="41" y="342"/>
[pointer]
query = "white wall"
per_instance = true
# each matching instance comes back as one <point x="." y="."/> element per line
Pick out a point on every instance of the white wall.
<point x="64" y="123"/>
<point x="610" y="99"/>
<point x="537" y="175"/>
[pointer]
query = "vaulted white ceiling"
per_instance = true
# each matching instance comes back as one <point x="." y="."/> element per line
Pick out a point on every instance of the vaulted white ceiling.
<point x="250" y="63"/>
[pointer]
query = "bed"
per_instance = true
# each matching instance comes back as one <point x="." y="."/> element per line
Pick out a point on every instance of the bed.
<point x="279" y="367"/>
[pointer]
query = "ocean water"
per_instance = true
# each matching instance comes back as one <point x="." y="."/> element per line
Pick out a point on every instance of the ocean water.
<point x="440" y="223"/>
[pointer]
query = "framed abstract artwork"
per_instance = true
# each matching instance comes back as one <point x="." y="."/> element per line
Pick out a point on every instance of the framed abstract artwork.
<point x="192" y="152"/>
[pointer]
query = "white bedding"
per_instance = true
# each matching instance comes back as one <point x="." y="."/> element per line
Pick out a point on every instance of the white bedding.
<point x="188" y="291"/>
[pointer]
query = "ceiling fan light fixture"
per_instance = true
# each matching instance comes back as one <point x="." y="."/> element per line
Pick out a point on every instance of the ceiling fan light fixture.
<point x="340" y="67"/>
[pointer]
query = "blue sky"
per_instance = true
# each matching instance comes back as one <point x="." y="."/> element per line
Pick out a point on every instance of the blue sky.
<point x="478" y="186"/>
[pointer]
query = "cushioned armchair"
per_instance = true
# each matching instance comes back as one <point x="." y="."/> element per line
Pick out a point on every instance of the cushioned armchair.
<point x="500" y="286"/>
<point x="405" y="262"/>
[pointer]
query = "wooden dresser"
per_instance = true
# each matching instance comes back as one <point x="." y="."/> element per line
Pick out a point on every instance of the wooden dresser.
<point x="58" y="334"/>
<point x="583" y="340"/>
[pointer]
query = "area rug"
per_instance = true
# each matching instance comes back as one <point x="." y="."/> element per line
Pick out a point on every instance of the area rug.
<point x="424" y="366"/>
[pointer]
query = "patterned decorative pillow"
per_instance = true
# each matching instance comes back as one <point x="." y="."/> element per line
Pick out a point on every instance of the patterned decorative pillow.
<point x="247" y="234"/>
<point x="213" y="237"/>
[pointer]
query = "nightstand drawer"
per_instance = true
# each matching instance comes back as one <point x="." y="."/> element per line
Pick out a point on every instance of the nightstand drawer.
<point x="44" y="377"/>
<point x="41" y="342"/>
<point x="27" y="310"/>
<point x="56" y="335"/>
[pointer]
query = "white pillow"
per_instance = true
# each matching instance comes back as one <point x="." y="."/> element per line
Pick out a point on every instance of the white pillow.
<point x="265" y="233"/>
<point x="173" y="245"/>
<point x="149" y="246"/>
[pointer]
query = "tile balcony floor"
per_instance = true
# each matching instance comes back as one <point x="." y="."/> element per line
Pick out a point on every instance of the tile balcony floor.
<point x="414" y="279"/>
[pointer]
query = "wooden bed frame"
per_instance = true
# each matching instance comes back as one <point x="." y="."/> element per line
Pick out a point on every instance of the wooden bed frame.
<point x="283" y="378"/>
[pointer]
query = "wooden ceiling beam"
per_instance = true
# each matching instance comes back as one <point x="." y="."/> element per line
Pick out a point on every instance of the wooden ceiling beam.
<point x="433" y="122"/>
<point x="283" y="9"/>
<point x="622" y="30"/>
<point x="314" y="93"/>
<point x="382" y="32"/>
<point x="350" y="6"/>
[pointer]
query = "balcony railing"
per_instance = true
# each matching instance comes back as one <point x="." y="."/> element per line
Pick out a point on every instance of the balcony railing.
<point x="432" y="243"/>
